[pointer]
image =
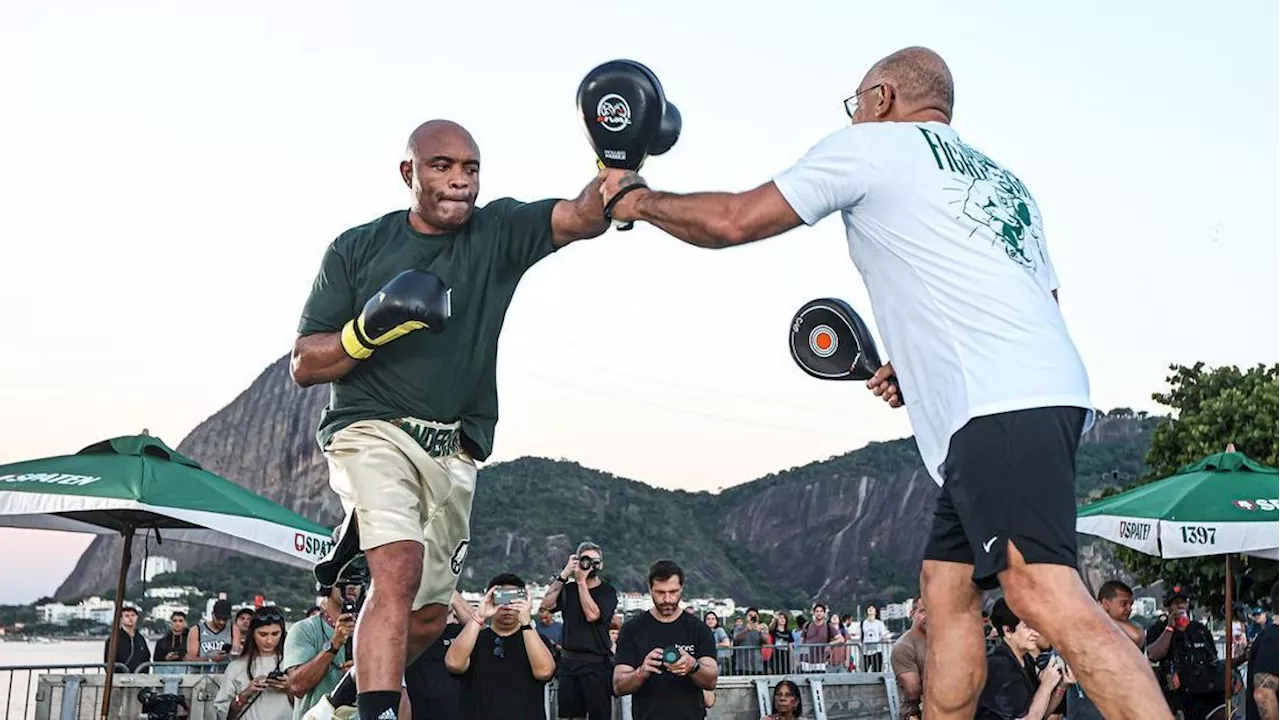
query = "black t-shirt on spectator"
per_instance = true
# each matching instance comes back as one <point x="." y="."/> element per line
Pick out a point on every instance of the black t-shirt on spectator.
<point x="1262" y="659"/>
<point x="665" y="696"/>
<point x="499" y="684"/>
<point x="579" y="635"/>
<point x="434" y="691"/>
<point x="1010" y="686"/>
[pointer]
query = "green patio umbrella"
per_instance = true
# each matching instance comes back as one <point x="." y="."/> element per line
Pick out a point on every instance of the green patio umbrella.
<point x="1226" y="504"/>
<point x="132" y="483"/>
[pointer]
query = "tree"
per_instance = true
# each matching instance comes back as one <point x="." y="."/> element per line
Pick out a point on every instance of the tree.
<point x="1212" y="407"/>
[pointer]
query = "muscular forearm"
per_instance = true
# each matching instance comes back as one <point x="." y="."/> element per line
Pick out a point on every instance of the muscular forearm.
<point x="1158" y="649"/>
<point x="626" y="680"/>
<point x="580" y="218"/>
<point x="458" y="659"/>
<point x="305" y="677"/>
<point x="707" y="675"/>
<point x="553" y="594"/>
<point x="589" y="606"/>
<point x="540" y="660"/>
<point x="702" y="219"/>
<point x="320" y="358"/>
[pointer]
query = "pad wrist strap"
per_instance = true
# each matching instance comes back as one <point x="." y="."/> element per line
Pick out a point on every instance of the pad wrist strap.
<point x="613" y="201"/>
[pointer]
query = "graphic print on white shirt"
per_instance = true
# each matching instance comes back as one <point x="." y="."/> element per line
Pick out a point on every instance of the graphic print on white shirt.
<point x="995" y="199"/>
<point x="951" y="247"/>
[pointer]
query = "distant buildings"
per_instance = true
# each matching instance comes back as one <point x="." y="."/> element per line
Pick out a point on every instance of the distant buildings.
<point x="157" y="565"/>
<point x="94" y="609"/>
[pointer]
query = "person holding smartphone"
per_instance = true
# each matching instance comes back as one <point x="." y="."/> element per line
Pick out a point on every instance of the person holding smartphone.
<point x="255" y="686"/>
<point x="504" y="664"/>
<point x="1013" y="690"/>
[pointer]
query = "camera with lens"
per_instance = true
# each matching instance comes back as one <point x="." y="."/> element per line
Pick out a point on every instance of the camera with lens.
<point x="162" y="706"/>
<point x="349" y="607"/>
<point x="671" y="654"/>
<point x="588" y="563"/>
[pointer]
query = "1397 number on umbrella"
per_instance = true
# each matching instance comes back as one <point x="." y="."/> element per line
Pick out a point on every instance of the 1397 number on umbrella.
<point x="1199" y="535"/>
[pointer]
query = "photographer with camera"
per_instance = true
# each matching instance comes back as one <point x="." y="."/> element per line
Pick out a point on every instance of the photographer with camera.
<point x="255" y="685"/>
<point x="504" y="666"/>
<point x="666" y="658"/>
<point x="586" y="605"/>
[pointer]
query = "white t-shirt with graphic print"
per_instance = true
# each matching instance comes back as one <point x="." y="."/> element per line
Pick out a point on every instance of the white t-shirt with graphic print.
<point x="952" y="250"/>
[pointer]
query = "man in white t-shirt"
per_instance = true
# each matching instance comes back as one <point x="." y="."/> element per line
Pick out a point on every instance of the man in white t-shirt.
<point x="952" y="250"/>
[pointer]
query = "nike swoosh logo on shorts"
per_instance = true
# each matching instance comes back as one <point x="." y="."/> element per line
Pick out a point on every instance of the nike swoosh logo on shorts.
<point x="986" y="546"/>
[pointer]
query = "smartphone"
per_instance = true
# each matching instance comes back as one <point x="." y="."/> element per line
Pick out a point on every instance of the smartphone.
<point x="507" y="596"/>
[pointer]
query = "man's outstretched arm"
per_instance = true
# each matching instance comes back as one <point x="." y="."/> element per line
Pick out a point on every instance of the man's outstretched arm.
<point x="580" y="218"/>
<point x="709" y="219"/>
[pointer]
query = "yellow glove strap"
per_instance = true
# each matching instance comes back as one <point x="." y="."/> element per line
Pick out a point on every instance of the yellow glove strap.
<point x="351" y="343"/>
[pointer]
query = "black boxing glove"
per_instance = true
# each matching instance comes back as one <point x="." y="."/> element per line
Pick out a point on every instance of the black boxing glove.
<point x="412" y="300"/>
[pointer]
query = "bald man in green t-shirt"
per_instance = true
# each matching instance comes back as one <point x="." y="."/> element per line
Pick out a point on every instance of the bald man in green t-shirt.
<point x="403" y="323"/>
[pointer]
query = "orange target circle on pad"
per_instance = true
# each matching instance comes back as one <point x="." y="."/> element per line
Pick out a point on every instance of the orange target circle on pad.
<point x="823" y="342"/>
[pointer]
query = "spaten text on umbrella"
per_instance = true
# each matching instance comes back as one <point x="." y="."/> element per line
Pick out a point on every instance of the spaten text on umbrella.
<point x="310" y="545"/>
<point x="1134" y="530"/>
<point x="51" y="479"/>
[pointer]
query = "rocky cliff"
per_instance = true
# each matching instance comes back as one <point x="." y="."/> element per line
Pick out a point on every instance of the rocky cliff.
<point x="853" y="525"/>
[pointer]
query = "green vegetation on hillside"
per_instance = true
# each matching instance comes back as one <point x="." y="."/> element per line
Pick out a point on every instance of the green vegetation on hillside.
<point x="530" y="513"/>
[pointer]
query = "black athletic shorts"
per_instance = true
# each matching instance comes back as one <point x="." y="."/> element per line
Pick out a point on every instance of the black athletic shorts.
<point x="1009" y="477"/>
<point x="585" y="689"/>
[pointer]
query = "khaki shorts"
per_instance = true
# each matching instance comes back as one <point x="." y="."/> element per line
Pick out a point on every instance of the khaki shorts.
<point x="403" y="487"/>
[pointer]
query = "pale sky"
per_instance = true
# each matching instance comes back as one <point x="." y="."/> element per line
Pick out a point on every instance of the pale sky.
<point x="170" y="175"/>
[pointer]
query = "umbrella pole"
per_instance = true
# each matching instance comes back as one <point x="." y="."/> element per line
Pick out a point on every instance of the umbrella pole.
<point x="1231" y="632"/>
<point x="125" y="561"/>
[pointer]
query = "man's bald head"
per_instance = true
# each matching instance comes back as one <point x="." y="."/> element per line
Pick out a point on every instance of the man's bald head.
<point x="426" y="139"/>
<point x="921" y="83"/>
<point x="442" y="170"/>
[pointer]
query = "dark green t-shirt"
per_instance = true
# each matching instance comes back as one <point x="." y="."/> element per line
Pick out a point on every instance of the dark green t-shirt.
<point x="443" y="377"/>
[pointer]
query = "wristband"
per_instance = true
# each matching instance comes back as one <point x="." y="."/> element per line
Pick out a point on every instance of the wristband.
<point x="352" y="344"/>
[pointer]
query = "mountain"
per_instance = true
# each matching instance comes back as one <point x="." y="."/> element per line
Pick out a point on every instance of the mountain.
<point x="852" y="525"/>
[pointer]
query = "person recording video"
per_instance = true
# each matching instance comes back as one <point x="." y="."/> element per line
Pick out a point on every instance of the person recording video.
<point x="586" y="604"/>
<point x="505" y="665"/>
<point x="318" y="650"/>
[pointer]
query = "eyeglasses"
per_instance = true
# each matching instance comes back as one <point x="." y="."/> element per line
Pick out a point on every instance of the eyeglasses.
<point x="851" y="102"/>
<point x="498" y="651"/>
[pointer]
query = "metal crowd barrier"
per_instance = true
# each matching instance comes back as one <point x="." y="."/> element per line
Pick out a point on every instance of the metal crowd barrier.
<point x="20" y="692"/>
<point x="831" y="692"/>
<point x="790" y="658"/>
<point x="828" y="696"/>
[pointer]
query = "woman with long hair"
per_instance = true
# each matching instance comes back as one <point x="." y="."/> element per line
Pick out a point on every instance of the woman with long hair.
<point x="254" y="686"/>
<point x="787" y="704"/>
<point x="781" y="663"/>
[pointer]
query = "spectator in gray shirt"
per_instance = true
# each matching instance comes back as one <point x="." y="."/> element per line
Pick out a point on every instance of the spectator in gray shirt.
<point x="747" y="644"/>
